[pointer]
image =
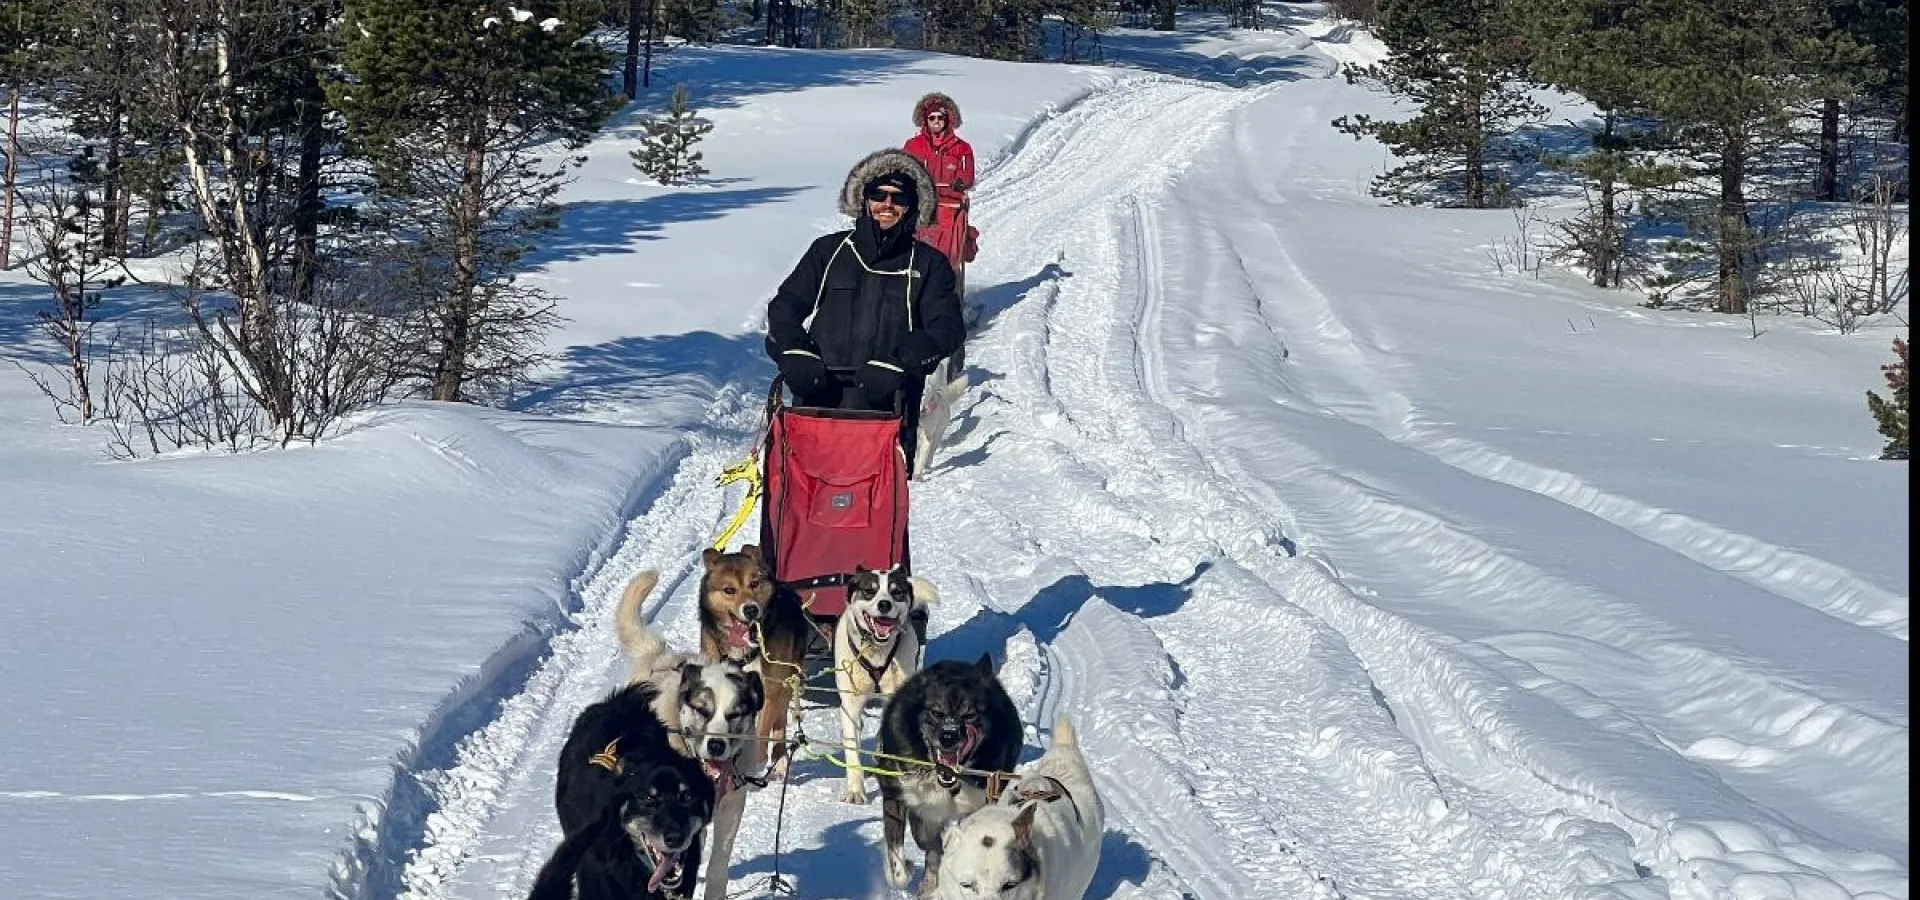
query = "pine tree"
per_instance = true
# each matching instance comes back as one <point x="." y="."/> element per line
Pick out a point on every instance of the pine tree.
<point x="1460" y="60"/>
<point x="666" y="152"/>
<point x="1892" y="414"/>
<point x="1723" y="77"/>
<point x="456" y="103"/>
<point x="1579" y="46"/>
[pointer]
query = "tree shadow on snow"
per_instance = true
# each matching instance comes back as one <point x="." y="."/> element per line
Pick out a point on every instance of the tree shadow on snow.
<point x="1198" y="50"/>
<point x="597" y="227"/>
<point x="988" y="630"/>
<point x="686" y="368"/>
<point x="725" y="76"/>
<point x="23" y="341"/>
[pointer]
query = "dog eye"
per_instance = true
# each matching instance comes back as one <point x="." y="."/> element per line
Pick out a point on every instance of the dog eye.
<point x="729" y="590"/>
<point x="1009" y="886"/>
<point x="968" y="885"/>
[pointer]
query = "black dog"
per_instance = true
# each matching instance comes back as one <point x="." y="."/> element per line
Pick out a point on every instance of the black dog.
<point x="632" y="810"/>
<point x="957" y="716"/>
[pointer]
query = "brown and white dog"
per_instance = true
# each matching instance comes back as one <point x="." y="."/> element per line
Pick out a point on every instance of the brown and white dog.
<point x="710" y="708"/>
<point x="744" y="618"/>
<point x="877" y="646"/>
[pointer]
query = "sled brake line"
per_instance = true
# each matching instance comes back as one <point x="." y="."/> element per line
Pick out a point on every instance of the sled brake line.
<point x="747" y="470"/>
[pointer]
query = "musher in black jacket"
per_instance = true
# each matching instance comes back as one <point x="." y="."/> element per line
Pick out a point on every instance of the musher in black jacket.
<point x="873" y="301"/>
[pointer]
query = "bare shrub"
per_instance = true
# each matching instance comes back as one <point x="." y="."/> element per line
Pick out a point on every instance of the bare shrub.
<point x="1518" y="251"/>
<point x="63" y="223"/>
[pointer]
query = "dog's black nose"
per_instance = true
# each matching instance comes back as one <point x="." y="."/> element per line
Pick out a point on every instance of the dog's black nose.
<point x="749" y="612"/>
<point x="716" y="747"/>
<point x="884" y="606"/>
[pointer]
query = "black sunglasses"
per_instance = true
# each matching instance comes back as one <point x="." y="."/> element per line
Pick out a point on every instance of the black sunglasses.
<point x="884" y="195"/>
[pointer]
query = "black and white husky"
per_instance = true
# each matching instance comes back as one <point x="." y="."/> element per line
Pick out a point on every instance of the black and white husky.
<point x="876" y="647"/>
<point x="709" y="708"/>
<point x="958" y="716"/>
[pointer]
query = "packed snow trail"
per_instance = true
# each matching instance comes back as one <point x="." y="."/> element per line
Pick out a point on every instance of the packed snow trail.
<point x="1261" y="723"/>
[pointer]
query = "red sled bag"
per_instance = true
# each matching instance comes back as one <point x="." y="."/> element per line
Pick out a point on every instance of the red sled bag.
<point x="836" y="498"/>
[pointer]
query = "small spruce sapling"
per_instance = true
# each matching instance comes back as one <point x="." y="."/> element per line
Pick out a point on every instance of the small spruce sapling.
<point x="666" y="152"/>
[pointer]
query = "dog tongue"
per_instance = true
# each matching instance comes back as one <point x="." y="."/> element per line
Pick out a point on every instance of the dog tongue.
<point x="737" y="633"/>
<point x="724" y="774"/>
<point x="663" y="865"/>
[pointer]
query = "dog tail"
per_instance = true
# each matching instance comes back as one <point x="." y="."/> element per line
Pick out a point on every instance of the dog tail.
<point x="1063" y="733"/>
<point x="636" y="639"/>
<point x="924" y="592"/>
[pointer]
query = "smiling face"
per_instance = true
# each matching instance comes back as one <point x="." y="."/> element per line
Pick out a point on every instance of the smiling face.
<point x="879" y="600"/>
<point x="664" y="811"/>
<point x="936" y="121"/>
<point x="887" y="205"/>
<point x="738" y="588"/>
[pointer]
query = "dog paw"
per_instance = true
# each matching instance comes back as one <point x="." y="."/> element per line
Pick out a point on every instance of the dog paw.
<point x="898" y="874"/>
<point x="778" y="771"/>
<point x="854" y="795"/>
<point x="930" y="886"/>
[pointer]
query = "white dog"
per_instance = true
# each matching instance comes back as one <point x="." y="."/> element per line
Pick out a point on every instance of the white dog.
<point x="876" y="648"/>
<point x="709" y="709"/>
<point x="944" y="388"/>
<point x="1040" y="842"/>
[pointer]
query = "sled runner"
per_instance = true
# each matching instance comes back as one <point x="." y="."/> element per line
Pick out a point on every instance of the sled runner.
<point x="836" y="498"/>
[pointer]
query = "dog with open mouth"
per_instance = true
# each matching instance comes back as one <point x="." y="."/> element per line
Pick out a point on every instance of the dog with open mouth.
<point x="711" y="709"/>
<point x="877" y="644"/>
<point x="746" y="618"/>
<point x="631" y="808"/>
<point x="957" y="716"/>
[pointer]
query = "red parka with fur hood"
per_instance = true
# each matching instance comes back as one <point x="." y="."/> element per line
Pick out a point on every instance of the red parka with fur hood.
<point x="948" y="157"/>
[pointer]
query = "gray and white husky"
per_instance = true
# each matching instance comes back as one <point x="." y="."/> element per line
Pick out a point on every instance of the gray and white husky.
<point x="957" y="716"/>
<point x="709" y="708"/>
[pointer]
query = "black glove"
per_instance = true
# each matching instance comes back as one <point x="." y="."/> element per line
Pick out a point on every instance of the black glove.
<point x="878" y="382"/>
<point x="803" y="371"/>
<point x="917" y="353"/>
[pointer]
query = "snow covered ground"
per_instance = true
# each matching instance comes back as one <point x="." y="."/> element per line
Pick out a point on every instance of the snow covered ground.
<point x="1365" y="572"/>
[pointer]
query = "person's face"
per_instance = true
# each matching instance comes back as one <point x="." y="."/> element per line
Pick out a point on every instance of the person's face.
<point x="937" y="121"/>
<point x="885" y="205"/>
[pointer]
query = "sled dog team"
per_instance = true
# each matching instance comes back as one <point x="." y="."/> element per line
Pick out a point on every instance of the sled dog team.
<point x="664" y="764"/>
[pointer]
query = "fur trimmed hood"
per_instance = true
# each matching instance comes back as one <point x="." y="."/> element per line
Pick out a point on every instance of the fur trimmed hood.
<point x="931" y="101"/>
<point x="882" y="162"/>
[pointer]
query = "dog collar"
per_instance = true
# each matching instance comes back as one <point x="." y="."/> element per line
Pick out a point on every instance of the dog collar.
<point x="609" y="757"/>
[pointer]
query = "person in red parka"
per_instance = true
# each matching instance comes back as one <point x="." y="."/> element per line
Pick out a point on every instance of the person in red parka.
<point x="949" y="159"/>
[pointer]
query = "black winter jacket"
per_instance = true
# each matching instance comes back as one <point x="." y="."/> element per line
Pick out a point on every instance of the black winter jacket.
<point x="852" y="307"/>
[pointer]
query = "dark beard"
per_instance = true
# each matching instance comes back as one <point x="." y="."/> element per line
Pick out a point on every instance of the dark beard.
<point x="876" y="243"/>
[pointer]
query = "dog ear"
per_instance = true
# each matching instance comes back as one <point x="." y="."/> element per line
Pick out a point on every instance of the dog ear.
<point x="689" y="680"/>
<point x="985" y="665"/>
<point x="752" y="550"/>
<point x="1023" y="826"/>
<point x="751" y="690"/>
<point x="708" y="557"/>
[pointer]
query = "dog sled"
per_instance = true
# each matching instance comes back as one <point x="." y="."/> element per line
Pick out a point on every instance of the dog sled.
<point x="835" y="498"/>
